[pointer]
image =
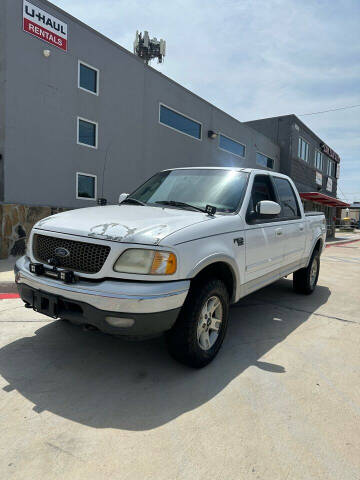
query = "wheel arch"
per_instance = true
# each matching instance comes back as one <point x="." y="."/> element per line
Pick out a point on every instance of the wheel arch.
<point x="222" y="267"/>
<point x="318" y="245"/>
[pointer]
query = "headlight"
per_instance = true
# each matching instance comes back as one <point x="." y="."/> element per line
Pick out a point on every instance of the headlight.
<point x="146" y="262"/>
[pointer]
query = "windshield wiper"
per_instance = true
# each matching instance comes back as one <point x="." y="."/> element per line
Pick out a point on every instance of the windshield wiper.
<point x="173" y="203"/>
<point x="133" y="200"/>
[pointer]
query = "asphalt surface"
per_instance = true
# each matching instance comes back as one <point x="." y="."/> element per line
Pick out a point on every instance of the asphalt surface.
<point x="281" y="401"/>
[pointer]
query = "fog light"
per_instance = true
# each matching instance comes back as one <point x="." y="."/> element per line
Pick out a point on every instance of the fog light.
<point x="120" y="322"/>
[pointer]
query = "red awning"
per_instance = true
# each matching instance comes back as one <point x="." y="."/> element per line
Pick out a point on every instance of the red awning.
<point x="324" y="199"/>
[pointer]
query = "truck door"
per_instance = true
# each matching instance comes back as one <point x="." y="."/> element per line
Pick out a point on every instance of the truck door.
<point x="264" y="239"/>
<point x="291" y="222"/>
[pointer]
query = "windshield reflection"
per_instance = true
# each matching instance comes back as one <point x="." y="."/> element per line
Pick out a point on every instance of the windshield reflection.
<point x="222" y="189"/>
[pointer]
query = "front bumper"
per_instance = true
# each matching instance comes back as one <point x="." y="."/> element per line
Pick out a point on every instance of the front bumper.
<point x="154" y="306"/>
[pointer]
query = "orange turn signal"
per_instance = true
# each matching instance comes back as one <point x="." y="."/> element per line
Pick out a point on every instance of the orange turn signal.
<point x="164" y="263"/>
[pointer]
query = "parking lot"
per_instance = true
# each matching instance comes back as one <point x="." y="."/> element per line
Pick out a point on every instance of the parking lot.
<point x="281" y="400"/>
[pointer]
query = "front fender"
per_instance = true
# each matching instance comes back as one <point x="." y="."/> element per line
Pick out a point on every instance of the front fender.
<point x="223" y="258"/>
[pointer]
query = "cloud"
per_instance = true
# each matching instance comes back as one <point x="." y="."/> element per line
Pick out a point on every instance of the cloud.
<point x="255" y="58"/>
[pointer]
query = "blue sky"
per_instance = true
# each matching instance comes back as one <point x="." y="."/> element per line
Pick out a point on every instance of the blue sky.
<point x="255" y="58"/>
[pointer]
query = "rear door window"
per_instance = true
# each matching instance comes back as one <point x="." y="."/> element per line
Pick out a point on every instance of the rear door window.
<point x="289" y="204"/>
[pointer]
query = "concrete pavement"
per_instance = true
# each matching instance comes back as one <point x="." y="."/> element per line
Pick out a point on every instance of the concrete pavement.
<point x="281" y="401"/>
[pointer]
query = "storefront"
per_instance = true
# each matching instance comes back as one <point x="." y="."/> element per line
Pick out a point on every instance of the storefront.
<point x="319" y="202"/>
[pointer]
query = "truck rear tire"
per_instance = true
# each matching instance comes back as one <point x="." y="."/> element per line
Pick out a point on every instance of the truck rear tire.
<point x="199" y="331"/>
<point x="305" y="279"/>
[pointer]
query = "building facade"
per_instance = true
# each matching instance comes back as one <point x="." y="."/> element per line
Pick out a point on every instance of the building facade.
<point x="83" y="118"/>
<point x="313" y="165"/>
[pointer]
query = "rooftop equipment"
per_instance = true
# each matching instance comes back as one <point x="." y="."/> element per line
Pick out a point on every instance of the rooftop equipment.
<point x="147" y="48"/>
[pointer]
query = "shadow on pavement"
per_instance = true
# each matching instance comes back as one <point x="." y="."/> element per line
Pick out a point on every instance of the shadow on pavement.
<point x="106" y="382"/>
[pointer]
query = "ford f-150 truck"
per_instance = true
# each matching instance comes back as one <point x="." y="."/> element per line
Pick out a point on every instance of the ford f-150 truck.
<point x="173" y="255"/>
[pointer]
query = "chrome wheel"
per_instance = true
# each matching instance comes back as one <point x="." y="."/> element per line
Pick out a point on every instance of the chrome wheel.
<point x="209" y="324"/>
<point x="313" y="271"/>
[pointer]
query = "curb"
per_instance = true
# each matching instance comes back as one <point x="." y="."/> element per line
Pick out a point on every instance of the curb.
<point x="339" y="244"/>
<point x="4" y="296"/>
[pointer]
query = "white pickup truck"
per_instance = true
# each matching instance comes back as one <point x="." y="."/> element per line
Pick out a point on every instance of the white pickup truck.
<point x="173" y="255"/>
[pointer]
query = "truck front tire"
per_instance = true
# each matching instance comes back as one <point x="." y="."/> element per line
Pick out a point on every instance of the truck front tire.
<point x="199" y="331"/>
<point x="305" y="279"/>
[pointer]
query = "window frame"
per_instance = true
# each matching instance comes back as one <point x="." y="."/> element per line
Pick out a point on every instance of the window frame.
<point x="308" y="149"/>
<point x="80" y="62"/>
<point x="321" y="158"/>
<point x="77" y="186"/>
<point x="185" y="116"/>
<point x="233" y="140"/>
<point x="267" y="156"/>
<point x="95" y="147"/>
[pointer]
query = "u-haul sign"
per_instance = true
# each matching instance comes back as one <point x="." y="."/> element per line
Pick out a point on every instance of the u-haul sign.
<point x="43" y="25"/>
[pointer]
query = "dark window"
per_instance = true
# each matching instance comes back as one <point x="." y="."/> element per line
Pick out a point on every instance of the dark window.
<point x="88" y="78"/>
<point x="331" y="171"/>
<point x="303" y="150"/>
<point x="318" y="160"/>
<point x="87" y="133"/>
<point x="231" y="146"/>
<point x="334" y="169"/>
<point x="264" y="161"/>
<point x="262" y="189"/>
<point x="288" y="202"/>
<point x="179" y="122"/>
<point x="86" y="186"/>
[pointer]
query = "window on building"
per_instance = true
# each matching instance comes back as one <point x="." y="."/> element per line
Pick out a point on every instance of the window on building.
<point x="231" y="146"/>
<point x="86" y="186"/>
<point x="331" y="168"/>
<point x="303" y="150"/>
<point x="264" y="161"/>
<point x="289" y="205"/>
<point x="88" y="78"/>
<point x="179" y="122"/>
<point x="87" y="133"/>
<point x="318" y="160"/>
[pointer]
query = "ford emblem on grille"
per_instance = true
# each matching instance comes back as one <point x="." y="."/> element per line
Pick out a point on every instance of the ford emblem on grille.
<point x="61" y="252"/>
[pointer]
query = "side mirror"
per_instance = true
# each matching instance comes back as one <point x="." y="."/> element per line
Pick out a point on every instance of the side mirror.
<point x="123" y="197"/>
<point x="267" y="207"/>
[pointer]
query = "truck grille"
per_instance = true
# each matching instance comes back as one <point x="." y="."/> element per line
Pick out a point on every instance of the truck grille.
<point x="84" y="257"/>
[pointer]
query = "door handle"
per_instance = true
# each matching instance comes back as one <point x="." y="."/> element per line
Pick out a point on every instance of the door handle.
<point x="301" y="229"/>
<point x="278" y="233"/>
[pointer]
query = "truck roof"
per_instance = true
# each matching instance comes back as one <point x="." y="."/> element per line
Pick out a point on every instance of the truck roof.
<point x="236" y="169"/>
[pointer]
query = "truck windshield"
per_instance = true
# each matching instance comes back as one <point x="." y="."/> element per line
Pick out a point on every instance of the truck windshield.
<point x="222" y="189"/>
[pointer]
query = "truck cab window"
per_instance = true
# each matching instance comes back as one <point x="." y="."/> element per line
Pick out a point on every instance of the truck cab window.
<point x="289" y="205"/>
<point x="262" y="189"/>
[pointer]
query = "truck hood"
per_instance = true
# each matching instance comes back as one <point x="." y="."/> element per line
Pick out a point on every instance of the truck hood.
<point x="122" y="223"/>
